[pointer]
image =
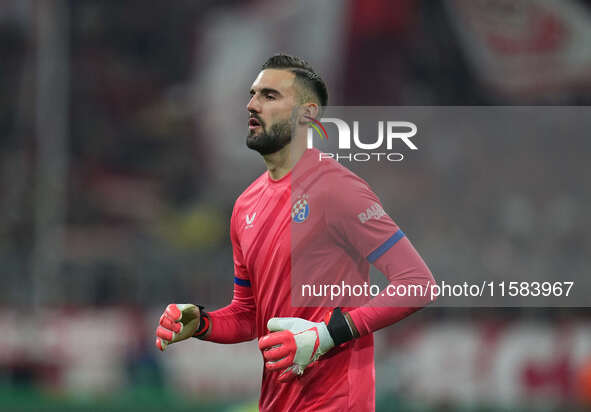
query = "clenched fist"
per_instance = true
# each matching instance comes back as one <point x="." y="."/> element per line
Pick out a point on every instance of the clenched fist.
<point x="177" y="323"/>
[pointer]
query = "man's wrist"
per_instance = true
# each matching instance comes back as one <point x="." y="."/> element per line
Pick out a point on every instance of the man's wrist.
<point x="341" y="327"/>
<point x="204" y="325"/>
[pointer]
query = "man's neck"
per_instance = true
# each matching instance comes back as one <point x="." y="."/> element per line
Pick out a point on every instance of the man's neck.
<point x="281" y="162"/>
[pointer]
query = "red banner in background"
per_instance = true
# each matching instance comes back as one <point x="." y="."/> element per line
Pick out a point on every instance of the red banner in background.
<point x="464" y="362"/>
<point x="517" y="363"/>
<point x="526" y="49"/>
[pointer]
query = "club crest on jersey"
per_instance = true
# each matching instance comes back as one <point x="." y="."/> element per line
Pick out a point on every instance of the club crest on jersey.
<point x="300" y="210"/>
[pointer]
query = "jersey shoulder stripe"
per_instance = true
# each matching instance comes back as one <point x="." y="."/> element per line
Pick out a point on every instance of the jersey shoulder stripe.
<point x="375" y="255"/>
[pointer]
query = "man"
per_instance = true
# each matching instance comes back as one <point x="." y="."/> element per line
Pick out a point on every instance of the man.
<point x="316" y="359"/>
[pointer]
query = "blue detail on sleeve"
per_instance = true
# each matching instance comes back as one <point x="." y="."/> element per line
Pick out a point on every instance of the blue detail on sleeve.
<point x="375" y="255"/>
<point x="241" y="282"/>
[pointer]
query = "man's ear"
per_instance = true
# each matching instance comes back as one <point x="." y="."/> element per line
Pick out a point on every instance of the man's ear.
<point x="308" y="110"/>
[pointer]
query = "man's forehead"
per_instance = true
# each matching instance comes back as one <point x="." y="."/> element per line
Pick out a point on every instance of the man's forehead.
<point x="281" y="80"/>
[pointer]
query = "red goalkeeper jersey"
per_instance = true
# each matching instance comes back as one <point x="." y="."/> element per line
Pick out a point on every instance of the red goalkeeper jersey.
<point x="322" y="224"/>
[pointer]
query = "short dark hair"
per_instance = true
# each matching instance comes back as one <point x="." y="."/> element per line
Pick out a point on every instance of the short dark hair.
<point x="305" y="74"/>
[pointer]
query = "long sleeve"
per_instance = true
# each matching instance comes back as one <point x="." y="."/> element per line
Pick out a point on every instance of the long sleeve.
<point x="358" y="219"/>
<point x="404" y="267"/>
<point x="236" y="322"/>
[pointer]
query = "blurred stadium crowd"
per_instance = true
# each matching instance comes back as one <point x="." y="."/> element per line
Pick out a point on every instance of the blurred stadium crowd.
<point x="156" y="121"/>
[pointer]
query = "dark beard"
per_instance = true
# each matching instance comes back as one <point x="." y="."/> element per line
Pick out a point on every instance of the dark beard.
<point x="270" y="142"/>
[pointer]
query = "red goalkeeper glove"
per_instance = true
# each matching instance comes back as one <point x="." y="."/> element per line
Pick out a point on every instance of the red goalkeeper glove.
<point x="295" y="343"/>
<point x="180" y="322"/>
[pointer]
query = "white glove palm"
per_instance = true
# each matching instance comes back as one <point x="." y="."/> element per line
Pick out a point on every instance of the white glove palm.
<point x="293" y="344"/>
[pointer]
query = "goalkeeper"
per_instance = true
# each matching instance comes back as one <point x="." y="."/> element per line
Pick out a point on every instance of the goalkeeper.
<point x="315" y="360"/>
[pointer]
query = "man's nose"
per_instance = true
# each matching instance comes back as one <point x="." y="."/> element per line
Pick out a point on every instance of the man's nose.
<point x="253" y="105"/>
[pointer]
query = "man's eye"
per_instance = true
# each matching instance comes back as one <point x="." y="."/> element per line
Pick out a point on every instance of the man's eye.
<point x="269" y="97"/>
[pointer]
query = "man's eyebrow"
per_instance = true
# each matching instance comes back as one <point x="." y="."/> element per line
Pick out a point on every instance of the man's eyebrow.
<point x="266" y="90"/>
